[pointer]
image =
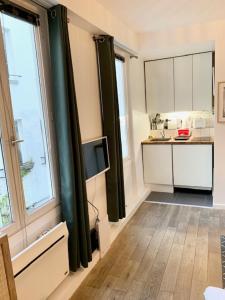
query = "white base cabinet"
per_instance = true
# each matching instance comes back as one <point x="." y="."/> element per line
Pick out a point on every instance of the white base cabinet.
<point x="189" y="166"/>
<point x="192" y="166"/>
<point x="157" y="160"/>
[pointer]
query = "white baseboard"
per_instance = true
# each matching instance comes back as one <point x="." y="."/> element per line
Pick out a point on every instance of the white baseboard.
<point x="218" y="206"/>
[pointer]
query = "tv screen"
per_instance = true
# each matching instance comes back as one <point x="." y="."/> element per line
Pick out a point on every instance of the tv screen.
<point x="96" y="159"/>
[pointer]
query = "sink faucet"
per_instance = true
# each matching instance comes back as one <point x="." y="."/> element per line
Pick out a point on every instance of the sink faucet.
<point x="163" y="133"/>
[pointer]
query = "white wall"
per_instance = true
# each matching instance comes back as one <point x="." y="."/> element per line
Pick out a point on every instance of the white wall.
<point x="188" y="40"/>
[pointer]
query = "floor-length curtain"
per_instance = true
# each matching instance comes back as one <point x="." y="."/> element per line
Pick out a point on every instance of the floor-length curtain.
<point x="71" y="173"/>
<point x="111" y="126"/>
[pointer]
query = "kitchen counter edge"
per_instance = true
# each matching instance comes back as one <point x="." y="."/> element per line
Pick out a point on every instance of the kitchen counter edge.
<point x="174" y="142"/>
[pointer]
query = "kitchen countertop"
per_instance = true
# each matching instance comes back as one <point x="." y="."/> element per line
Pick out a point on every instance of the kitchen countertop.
<point x="192" y="141"/>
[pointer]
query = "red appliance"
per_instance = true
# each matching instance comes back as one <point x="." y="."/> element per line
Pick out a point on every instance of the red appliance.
<point x="184" y="132"/>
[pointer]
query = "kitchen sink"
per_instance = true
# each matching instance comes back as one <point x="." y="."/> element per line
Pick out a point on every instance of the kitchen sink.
<point x="160" y="139"/>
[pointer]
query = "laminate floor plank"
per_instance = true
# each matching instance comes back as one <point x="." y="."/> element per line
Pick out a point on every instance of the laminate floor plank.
<point x="165" y="296"/>
<point x="197" y="290"/>
<point x="184" y="277"/>
<point x="182" y="225"/>
<point x="165" y="252"/>
<point x="155" y="274"/>
<point x="170" y="276"/>
<point x="214" y="270"/>
<point x="201" y="255"/>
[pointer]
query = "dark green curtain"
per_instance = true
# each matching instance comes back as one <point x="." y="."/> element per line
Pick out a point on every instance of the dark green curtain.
<point x="111" y="126"/>
<point x="71" y="172"/>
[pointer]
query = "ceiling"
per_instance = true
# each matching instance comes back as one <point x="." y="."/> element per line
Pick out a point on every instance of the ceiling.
<point x="155" y="15"/>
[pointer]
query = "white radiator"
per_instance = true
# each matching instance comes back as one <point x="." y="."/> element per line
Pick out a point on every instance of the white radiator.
<point x="42" y="266"/>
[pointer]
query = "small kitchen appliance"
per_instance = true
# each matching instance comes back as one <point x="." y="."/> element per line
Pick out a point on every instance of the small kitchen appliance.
<point x="183" y="134"/>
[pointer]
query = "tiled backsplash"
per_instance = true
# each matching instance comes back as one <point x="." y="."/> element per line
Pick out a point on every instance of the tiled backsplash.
<point x="186" y="120"/>
<point x="195" y="132"/>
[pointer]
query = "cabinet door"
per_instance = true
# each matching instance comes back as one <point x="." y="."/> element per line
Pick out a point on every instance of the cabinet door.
<point x="159" y="86"/>
<point x="192" y="165"/>
<point x="157" y="160"/>
<point x="202" y="81"/>
<point x="183" y="83"/>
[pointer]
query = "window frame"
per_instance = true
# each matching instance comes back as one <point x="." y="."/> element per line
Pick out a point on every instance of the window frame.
<point x="15" y="225"/>
<point x="23" y="217"/>
<point x="122" y="59"/>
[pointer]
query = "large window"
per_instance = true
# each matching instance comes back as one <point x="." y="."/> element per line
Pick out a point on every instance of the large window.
<point x="26" y="168"/>
<point x="123" y="107"/>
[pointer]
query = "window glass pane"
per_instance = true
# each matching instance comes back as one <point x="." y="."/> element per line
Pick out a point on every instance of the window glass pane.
<point x="122" y="107"/>
<point x="5" y="210"/>
<point x="26" y="95"/>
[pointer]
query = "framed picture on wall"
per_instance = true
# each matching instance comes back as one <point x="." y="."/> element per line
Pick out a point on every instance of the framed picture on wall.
<point x="221" y="101"/>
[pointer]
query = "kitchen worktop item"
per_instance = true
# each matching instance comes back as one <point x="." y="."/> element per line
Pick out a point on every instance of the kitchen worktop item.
<point x="182" y="138"/>
<point x="184" y="131"/>
<point x="199" y="123"/>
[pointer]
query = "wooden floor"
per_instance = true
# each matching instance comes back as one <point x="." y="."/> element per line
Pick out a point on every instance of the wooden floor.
<point x="165" y="252"/>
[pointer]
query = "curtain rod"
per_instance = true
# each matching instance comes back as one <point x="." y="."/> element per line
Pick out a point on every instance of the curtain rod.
<point x="133" y="56"/>
<point x="125" y="49"/>
<point x="120" y="46"/>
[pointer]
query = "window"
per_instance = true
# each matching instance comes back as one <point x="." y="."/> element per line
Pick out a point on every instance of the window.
<point x="123" y="108"/>
<point x="27" y="185"/>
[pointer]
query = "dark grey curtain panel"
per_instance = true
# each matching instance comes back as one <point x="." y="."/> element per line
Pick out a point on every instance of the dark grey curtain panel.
<point x="71" y="172"/>
<point x="111" y="126"/>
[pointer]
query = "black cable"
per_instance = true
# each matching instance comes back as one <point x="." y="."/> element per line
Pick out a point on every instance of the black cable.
<point x="96" y="209"/>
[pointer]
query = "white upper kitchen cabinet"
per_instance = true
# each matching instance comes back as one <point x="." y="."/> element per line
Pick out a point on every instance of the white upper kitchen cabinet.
<point x="192" y="166"/>
<point x="157" y="161"/>
<point x="159" y="86"/>
<point x="202" y="81"/>
<point x="183" y="83"/>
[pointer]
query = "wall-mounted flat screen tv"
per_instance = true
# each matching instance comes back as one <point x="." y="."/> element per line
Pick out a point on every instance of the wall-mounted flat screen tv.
<point x="96" y="157"/>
